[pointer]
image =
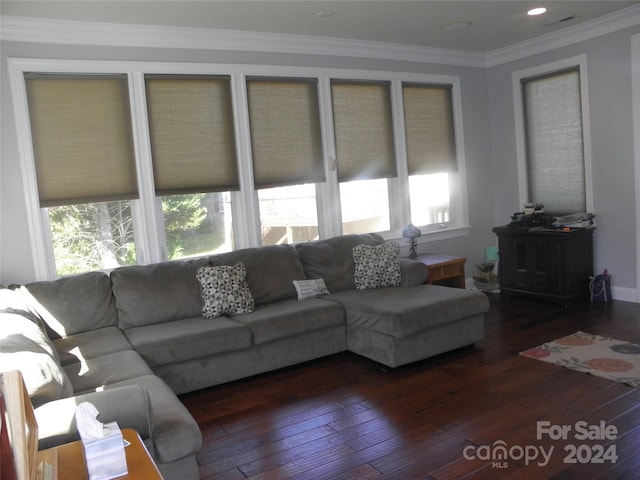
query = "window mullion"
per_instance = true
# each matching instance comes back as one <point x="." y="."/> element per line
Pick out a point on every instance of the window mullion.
<point x="399" y="208"/>
<point x="49" y="255"/>
<point x="328" y="194"/>
<point x="245" y="206"/>
<point x="148" y="222"/>
<point x="458" y="179"/>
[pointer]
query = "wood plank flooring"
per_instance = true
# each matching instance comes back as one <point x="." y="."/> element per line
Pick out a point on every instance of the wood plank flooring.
<point x="347" y="418"/>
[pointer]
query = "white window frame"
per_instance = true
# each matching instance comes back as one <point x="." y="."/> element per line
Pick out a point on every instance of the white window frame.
<point x="579" y="61"/>
<point x="148" y="228"/>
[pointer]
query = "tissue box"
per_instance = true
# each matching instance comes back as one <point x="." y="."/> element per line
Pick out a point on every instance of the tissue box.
<point x="105" y="456"/>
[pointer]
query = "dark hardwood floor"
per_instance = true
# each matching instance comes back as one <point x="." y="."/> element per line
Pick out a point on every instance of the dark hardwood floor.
<point x="345" y="417"/>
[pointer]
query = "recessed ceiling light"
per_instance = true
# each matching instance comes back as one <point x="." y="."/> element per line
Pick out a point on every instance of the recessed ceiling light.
<point x="450" y="27"/>
<point x="537" y="11"/>
<point x="325" y="13"/>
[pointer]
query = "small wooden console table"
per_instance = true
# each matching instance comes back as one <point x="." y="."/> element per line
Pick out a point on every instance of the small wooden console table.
<point x="444" y="270"/>
<point x="68" y="463"/>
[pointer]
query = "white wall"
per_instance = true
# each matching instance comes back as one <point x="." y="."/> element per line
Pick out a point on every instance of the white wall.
<point x="489" y="140"/>
<point x="612" y="140"/>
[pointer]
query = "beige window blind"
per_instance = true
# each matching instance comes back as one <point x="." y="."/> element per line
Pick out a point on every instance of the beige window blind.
<point x="554" y="141"/>
<point x="192" y="134"/>
<point x="286" y="139"/>
<point x="430" y="135"/>
<point x="363" y="127"/>
<point x="82" y="138"/>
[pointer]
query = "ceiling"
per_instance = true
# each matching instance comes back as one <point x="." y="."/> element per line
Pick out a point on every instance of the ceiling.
<point x="493" y="24"/>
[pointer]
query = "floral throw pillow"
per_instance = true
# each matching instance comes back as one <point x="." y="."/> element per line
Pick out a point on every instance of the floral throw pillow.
<point x="377" y="265"/>
<point x="224" y="290"/>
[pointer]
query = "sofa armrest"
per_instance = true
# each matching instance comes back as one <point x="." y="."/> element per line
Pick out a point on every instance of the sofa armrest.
<point x="413" y="273"/>
<point x="127" y="405"/>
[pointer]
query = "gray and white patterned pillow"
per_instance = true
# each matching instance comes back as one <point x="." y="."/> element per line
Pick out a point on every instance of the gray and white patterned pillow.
<point x="377" y="265"/>
<point x="224" y="290"/>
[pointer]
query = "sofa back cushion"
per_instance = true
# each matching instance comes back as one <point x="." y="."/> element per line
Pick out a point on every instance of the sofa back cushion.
<point x="157" y="293"/>
<point x="332" y="259"/>
<point x="270" y="271"/>
<point x="24" y="346"/>
<point x="75" y="304"/>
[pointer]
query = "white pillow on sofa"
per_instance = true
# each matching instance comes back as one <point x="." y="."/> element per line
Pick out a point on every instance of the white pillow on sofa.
<point x="310" y="288"/>
<point x="224" y="290"/>
<point x="377" y="265"/>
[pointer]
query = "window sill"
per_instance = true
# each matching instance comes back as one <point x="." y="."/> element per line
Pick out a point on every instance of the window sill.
<point x="448" y="232"/>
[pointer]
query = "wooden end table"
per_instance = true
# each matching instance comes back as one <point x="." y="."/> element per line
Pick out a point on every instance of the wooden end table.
<point x="68" y="461"/>
<point x="444" y="270"/>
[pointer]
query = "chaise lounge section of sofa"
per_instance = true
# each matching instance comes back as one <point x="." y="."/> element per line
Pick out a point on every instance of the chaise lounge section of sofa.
<point x="394" y="325"/>
<point x="133" y="340"/>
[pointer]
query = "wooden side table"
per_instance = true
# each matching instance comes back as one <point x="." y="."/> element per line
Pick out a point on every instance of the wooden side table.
<point x="444" y="270"/>
<point x="68" y="463"/>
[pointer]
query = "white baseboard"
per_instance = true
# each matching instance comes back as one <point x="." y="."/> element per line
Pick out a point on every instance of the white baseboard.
<point x="618" y="293"/>
<point x="625" y="294"/>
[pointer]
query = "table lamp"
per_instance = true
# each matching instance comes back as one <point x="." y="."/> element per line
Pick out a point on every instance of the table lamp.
<point x="412" y="232"/>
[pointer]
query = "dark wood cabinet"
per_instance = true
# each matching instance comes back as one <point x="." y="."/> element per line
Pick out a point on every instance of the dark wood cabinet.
<point x="550" y="264"/>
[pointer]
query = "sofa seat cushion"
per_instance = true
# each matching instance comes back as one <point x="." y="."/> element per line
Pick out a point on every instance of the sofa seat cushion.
<point x="75" y="304"/>
<point x="157" y="293"/>
<point x="92" y="344"/>
<point x="94" y="374"/>
<point x="288" y="318"/>
<point x="401" y="312"/>
<point x="187" y="339"/>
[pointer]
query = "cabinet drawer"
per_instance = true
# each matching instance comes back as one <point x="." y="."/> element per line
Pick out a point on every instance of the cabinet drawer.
<point x="448" y="271"/>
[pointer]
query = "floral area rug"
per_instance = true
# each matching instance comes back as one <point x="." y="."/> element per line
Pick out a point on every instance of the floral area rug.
<point x="604" y="357"/>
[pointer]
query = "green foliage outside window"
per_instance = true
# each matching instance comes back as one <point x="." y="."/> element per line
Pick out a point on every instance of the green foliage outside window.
<point x="99" y="236"/>
<point x="92" y="236"/>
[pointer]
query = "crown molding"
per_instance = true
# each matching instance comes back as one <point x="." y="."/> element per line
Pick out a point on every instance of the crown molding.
<point x="625" y="18"/>
<point x="48" y="31"/>
<point x="38" y="30"/>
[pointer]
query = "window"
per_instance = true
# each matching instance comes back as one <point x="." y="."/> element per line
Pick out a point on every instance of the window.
<point x="365" y="153"/>
<point x="430" y="199"/>
<point x="288" y="214"/>
<point x="553" y="130"/>
<point x="194" y="160"/>
<point x="188" y="160"/>
<point x="85" y="167"/>
<point x="554" y="155"/>
<point x="92" y="236"/>
<point x="197" y="224"/>
<point x="286" y="145"/>
<point x="431" y="151"/>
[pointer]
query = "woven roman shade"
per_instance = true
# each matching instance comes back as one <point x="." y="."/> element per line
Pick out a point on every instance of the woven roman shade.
<point x="82" y="138"/>
<point x="555" y="153"/>
<point x="286" y="139"/>
<point x="192" y="134"/>
<point x="430" y="135"/>
<point x="363" y="127"/>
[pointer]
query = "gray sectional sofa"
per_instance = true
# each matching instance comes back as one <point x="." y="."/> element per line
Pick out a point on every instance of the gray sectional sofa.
<point x="132" y="340"/>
